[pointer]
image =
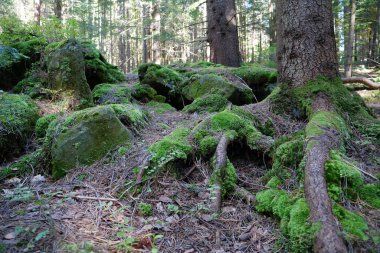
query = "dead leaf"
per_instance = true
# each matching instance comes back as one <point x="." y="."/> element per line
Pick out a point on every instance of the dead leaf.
<point x="10" y="236"/>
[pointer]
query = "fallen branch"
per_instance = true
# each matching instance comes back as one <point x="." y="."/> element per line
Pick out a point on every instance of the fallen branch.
<point x="245" y="194"/>
<point x="363" y="80"/>
<point x="87" y="198"/>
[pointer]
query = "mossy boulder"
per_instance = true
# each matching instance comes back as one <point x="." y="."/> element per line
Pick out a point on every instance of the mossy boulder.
<point x="162" y="79"/>
<point x="107" y="93"/>
<point x="88" y="135"/>
<point x="261" y="80"/>
<point x="42" y="124"/>
<point x="98" y="70"/>
<point x="66" y="71"/>
<point x="207" y="103"/>
<point x="18" y="115"/>
<point x="200" y="85"/>
<point x="13" y="66"/>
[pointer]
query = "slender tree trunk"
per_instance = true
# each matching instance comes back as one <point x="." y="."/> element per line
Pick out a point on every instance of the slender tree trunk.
<point x="350" y="40"/>
<point x="121" y="40"/>
<point x="145" y="33"/>
<point x="58" y="9"/>
<point x="272" y="23"/>
<point x="222" y="32"/>
<point x="38" y="12"/>
<point x="156" y="27"/>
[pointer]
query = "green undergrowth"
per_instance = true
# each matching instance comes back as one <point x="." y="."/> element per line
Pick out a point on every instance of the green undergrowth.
<point x="28" y="163"/>
<point x="353" y="225"/>
<point x="174" y="147"/>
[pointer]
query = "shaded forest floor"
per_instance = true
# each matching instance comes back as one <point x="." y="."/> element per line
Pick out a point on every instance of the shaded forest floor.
<point x="90" y="209"/>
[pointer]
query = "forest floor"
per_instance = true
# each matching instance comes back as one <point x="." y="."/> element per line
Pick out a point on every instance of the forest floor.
<point x="92" y="210"/>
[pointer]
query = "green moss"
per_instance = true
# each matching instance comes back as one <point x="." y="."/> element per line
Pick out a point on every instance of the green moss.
<point x="159" y="98"/>
<point x="162" y="79"/>
<point x="18" y="115"/>
<point x="172" y="148"/>
<point x="274" y="182"/>
<point x="208" y="145"/>
<point x="209" y="103"/>
<point x="42" y="124"/>
<point x="160" y="107"/>
<point x="354" y="226"/>
<point x="293" y="214"/>
<point x="261" y="80"/>
<point x="25" y="164"/>
<point x="112" y="94"/>
<point x="130" y="115"/>
<point x="143" y="92"/>
<point x="287" y="154"/>
<point x="342" y="177"/>
<point x="200" y="85"/>
<point x="31" y="47"/>
<point x="227" y="178"/>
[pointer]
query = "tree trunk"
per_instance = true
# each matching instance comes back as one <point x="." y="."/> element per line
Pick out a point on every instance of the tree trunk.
<point x="38" y="12"/>
<point x="58" y="9"/>
<point x="121" y="41"/>
<point x="222" y="32"/>
<point x="156" y="27"/>
<point x="306" y="50"/>
<point x="145" y="33"/>
<point x="350" y="40"/>
<point x="306" y="42"/>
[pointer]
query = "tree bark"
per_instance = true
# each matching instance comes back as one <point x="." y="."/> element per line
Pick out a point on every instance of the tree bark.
<point x="121" y="40"/>
<point x="156" y="27"/>
<point x="306" y="50"/>
<point x="222" y="32"/>
<point x="350" y="40"/>
<point x="58" y="9"/>
<point x="306" y="42"/>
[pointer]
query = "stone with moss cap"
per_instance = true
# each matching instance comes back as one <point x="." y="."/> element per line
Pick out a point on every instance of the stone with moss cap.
<point x="66" y="71"/>
<point x="13" y="66"/>
<point x="42" y="124"/>
<point x="199" y="85"/>
<point x="107" y="93"/>
<point x="88" y="135"/>
<point x="18" y="115"/>
<point x="207" y="103"/>
<point x="172" y="148"/>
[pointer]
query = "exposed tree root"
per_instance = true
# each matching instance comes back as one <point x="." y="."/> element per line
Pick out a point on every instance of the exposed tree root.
<point x="363" y="80"/>
<point x="245" y="195"/>
<point x="220" y="164"/>
<point x="328" y="238"/>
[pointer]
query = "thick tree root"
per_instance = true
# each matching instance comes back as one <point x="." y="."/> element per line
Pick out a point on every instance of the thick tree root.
<point x="220" y="164"/>
<point x="328" y="238"/>
<point x="367" y="82"/>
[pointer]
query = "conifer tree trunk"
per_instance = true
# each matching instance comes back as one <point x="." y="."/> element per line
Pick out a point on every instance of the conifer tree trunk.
<point x="222" y="32"/>
<point x="350" y="40"/>
<point x="58" y="9"/>
<point x="156" y="27"/>
<point x="306" y="50"/>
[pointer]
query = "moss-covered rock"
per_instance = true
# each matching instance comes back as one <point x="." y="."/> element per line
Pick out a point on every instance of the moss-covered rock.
<point x="163" y="80"/>
<point x="261" y="80"/>
<point x="107" y="93"/>
<point x="66" y="70"/>
<point x="174" y="147"/>
<point x="13" y="66"/>
<point x="18" y="115"/>
<point x="143" y="92"/>
<point x="98" y="70"/>
<point x="207" y="103"/>
<point x="200" y="85"/>
<point x="86" y="136"/>
<point x="160" y="108"/>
